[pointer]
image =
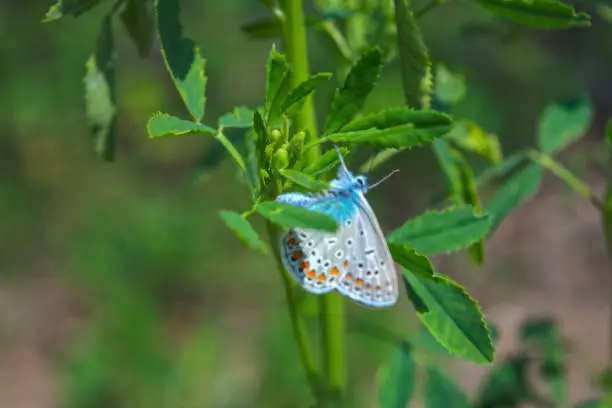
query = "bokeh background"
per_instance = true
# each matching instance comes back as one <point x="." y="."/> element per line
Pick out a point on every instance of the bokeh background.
<point x="120" y="286"/>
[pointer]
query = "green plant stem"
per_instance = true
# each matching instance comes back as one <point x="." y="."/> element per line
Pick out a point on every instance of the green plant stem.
<point x="579" y="186"/>
<point x="294" y="41"/>
<point x="331" y="310"/>
<point x="297" y="323"/>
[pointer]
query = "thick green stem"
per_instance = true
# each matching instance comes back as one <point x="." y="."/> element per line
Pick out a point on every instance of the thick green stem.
<point x="332" y="339"/>
<point x="296" y="50"/>
<point x="331" y="307"/>
<point x="297" y="323"/>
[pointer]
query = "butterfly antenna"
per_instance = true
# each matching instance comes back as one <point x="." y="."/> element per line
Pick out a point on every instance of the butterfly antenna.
<point x="384" y="178"/>
<point x="340" y="156"/>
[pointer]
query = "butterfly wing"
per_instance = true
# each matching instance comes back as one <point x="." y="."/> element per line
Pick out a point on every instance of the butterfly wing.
<point x="370" y="278"/>
<point x="316" y="259"/>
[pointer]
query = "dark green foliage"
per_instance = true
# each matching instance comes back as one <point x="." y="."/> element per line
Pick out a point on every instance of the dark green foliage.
<point x="442" y="392"/>
<point x="396" y="378"/>
<point x="72" y="7"/>
<point x="546" y="14"/>
<point x="414" y="57"/>
<point x="507" y="384"/>
<point x="349" y="99"/>
<point x="182" y="58"/>
<point x="139" y="21"/>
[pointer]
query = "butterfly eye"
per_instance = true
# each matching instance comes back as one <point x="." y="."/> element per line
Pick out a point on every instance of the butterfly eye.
<point x="360" y="181"/>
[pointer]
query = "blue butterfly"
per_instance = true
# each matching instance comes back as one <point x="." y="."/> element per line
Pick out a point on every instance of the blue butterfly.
<point x="355" y="260"/>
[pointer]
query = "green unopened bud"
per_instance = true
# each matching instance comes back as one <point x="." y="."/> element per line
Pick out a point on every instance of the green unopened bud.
<point x="265" y="177"/>
<point x="297" y="141"/>
<point x="280" y="160"/>
<point x="276" y="137"/>
<point x="270" y="149"/>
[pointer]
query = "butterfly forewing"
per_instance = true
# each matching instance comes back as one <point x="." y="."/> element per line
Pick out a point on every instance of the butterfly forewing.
<point x="370" y="278"/>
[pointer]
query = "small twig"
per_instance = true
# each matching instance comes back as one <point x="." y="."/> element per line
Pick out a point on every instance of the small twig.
<point x="579" y="186"/>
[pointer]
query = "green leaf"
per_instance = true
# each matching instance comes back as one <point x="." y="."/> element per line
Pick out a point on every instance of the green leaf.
<point x="437" y="232"/>
<point x="563" y="123"/>
<point x="452" y="317"/>
<point x="182" y="58"/>
<point x="251" y="165"/>
<point x="71" y="7"/>
<point x="459" y="175"/>
<point x="277" y="83"/>
<point x="304" y="180"/>
<point x="388" y="118"/>
<point x="261" y="136"/>
<point x="462" y="186"/>
<point x="164" y="125"/>
<point x="442" y="392"/>
<point x="289" y="216"/>
<point x="326" y="162"/>
<point x="360" y="81"/>
<point x="299" y="94"/>
<point x="243" y="230"/>
<point x="397" y="378"/>
<point x="138" y="20"/>
<point x="449" y="87"/>
<point x="241" y="117"/>
<point x="470" y="137"/>
<point x="269" y="28"/>
<point x="507" y="384"/>
<point x="100" y="107"/>
<point x="409" y="259"/>
<point x="545" y="14"/>
<point x="509" y="164"/>
<point x="544" y="334"/>
<point x="517" y="189"/>
<point x="406" y="136"/>
<point x="414" y="58"/>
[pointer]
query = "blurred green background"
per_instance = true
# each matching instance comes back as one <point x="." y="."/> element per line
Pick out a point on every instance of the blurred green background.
<point x="120" y="286"/>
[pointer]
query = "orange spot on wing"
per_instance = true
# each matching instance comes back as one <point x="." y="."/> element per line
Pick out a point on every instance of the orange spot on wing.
<point x="334" y="271"/>
<point x="311" y="274"/>
<point x="359" y="282"/>
<point x="321" y="278"/>
<point x="305" y="266"/>
<point x="349" y="277"/>
<point x="291" y="241"/>
<point x="296" y="256"/>
<point x="345" y="264"/>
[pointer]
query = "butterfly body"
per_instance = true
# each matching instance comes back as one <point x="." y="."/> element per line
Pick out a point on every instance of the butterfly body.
<point x="354" y="260"/>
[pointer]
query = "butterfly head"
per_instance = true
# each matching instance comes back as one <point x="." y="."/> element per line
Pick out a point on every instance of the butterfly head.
<point x="360" y="183"/>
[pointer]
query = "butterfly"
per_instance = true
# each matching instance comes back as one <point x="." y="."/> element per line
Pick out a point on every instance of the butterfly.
<point x="355" y="260"/>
